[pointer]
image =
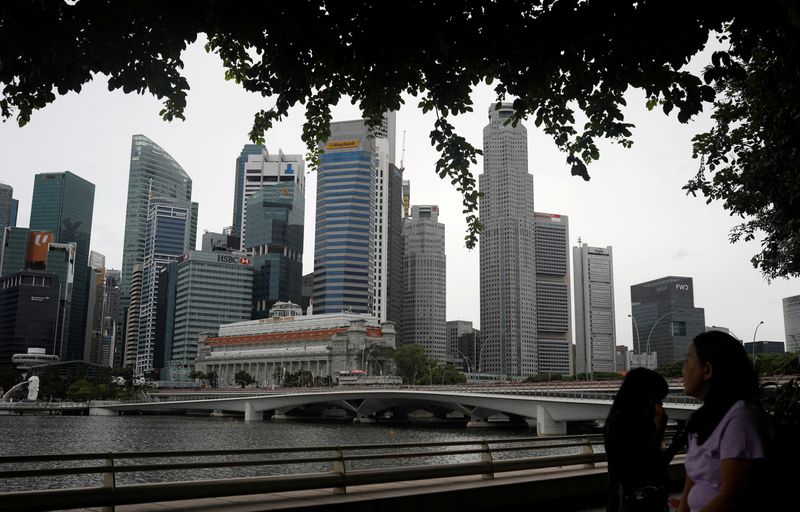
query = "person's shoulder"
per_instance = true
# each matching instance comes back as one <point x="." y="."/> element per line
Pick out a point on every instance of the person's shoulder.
<point x="742" y="412"/>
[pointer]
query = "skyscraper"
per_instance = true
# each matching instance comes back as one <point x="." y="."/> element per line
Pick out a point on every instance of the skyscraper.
<point x="8" y="209"/>
<point x="94" y="344"/>
<point x="274" y="237"/>
<point x="257" y="169"/>
<point x="28" y="313"/>
<point x="553" y="305"/>
<point x="388" y="212"/>
<point x="665" y="317"/>
<point x="425" y="282"/>
<point x="153" y="173"/>
<point x="164" y="244"/>
<point x="240" y="185"/>
<point x="62" y="204"/>
<point x="791" y="322"/>
<point x="345" y="221"/>
<point x="507" y="261"/>
<point x="110" y="305"/>
<point x="595" y="331"/>
<point x="131" y="332"/>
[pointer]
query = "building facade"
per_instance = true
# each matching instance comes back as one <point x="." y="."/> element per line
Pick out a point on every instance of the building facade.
<point x="164" y="244"/>
<point x="211" y="289"/>
<point x="96" y="347"/>
<point x="665" y="317"/>
<point x="63" y="205"/>
<point x="553" y="304"/>
<point x="8" y="209"/>
<point x="274" y="238"/>
<point x="153" y="173"/>
<point x="463" y="345"/>
<point x="424" y="308"/>
<point x="131" y="333"/>
<point x="344" y="249"/>
<point x="791" y="322"/>
<point x="110" y="305"/>
<point x="270" y="349"/>
<point x="239" y="187"/>
<point x="595" y="329"/>
<point x="29" y="308"/>
<point x="507" y="258"/>
<point x="220" y="242"/>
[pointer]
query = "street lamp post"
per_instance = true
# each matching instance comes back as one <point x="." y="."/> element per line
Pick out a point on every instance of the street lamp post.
<point x="653" y="328"/>
<point x="466" y="360"/>
<point x="754" y="341"/>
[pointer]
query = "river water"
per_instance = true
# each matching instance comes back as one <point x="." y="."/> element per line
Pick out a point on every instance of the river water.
<point x="38" y="435"/>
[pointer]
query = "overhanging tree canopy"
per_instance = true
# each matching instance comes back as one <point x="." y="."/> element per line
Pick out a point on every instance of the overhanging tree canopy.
<point x="560" y="60"/>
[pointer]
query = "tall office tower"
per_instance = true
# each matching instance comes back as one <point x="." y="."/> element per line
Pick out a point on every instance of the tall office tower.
<point x="214" y="289"/>
<point x="664" y="315"/>
<point x="15" y="250"/>
<point x="28" y="313"/>
<point x="220" y="242"/>
<point x="93" y="345"/>
<point x="553" y="305"/>
<point x="62" y="204"/>
<point x="595" y="331"/>
<point x="239" y="186"/>
<point x="425" y="282"/>
<point x="164" y="243"/>
<point x="507" y="263"/>
<point x="388" y="190"/>
<point x="274" y="238"/>
<point x="153" y="173"/>
<point x="131" y="331"/>
<point x="8" y="209"/>
<point x="261" y="169"/>
<point x="60" y="260"/>
<point x="110" y="305"/>
<point x="345" y="220"/>
<point x="791" y="322"/>
<point x="393" y="247"/>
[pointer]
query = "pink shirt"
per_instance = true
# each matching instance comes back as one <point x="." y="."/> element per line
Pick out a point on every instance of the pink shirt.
<point x="737" y="436"/>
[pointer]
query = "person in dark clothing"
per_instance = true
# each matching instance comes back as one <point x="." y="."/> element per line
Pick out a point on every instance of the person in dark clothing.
<point x="634" y="430"/>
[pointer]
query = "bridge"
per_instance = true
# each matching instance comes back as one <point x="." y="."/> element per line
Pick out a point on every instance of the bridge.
<point x="549" y="410"/>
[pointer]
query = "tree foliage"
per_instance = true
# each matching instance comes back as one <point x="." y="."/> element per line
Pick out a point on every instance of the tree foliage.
<point x="566" y="63"/>
<point x="243" y="378"/>
<point x="413" y="364"/>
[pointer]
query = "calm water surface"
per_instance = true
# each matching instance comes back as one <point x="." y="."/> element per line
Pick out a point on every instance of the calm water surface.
<point x="33" y="435"/>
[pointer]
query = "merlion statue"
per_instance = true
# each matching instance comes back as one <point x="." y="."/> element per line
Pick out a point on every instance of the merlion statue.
<point x="33" y="388"/>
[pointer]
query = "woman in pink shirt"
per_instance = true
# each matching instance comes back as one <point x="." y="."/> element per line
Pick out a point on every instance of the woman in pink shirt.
<point x="727" y="434"/>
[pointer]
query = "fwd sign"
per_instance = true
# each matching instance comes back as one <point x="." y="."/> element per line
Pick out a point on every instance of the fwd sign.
<point x="682" y="287"/>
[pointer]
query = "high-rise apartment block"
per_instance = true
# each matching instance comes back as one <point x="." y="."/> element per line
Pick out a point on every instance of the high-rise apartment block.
<point x="507" y="258"/>
<point x="664" y="318"/>
<point x="153" y="173"/>
<point x="424" y="306"/>
<point x="791" y="322"/>
<point x="164" y="244"/>
<point x="595" y="330"/>
<point x="63" y="204"/>
<point x="553" y="304"/>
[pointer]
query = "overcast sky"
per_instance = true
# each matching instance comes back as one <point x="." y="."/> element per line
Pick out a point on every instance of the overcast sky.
<point x="634" y="201"/>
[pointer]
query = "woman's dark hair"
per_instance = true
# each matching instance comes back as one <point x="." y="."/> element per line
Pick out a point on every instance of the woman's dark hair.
<point x="733" y="378"/>
<point x="640" y="387"/>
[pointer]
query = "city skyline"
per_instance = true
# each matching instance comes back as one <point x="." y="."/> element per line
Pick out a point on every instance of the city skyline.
<point x="633" y="203"/>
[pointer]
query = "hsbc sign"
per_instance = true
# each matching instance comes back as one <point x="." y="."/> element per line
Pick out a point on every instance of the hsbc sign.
<point x="241" y="260"/>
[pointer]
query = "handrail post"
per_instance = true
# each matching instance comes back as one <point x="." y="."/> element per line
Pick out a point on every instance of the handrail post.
<point x="587" y="449"/>
<point x="339" y="467"/>
<point x="486" y="456"/>
<point x="110" y="482"/>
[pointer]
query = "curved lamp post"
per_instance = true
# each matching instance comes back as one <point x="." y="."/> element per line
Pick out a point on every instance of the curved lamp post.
<point x="466" y="360"/>
<point x="754" y="341"/>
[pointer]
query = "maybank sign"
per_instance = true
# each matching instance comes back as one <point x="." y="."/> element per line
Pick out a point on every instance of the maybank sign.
<point x="343" y="144"/>
<point x="226" y="258"/>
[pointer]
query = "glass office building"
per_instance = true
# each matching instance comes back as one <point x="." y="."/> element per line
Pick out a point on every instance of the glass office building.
<point x="63" y="204"/>
<point x="153" y="173"/>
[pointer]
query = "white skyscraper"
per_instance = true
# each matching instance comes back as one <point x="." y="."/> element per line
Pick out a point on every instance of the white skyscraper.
<point x="507" y="261"/>
<point x="595" y="335"/>
<point x="553" y="307"/>
<point x="425" y="282"/>
<point x="384" y="155"/>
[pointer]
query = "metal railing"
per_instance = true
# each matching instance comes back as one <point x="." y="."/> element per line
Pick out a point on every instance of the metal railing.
<point x="168" y="476"/>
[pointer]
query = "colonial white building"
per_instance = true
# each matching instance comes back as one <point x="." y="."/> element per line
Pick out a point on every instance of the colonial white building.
<point x="272" y="348"/>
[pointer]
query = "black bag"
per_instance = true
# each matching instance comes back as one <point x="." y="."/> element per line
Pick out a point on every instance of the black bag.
<point x="648" y="498"/>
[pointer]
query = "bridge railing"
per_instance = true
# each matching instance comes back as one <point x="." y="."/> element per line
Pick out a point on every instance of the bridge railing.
<point x="109" y="479"/>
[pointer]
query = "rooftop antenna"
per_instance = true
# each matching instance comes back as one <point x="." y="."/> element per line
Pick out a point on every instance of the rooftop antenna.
<point x="403" y="152"/>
